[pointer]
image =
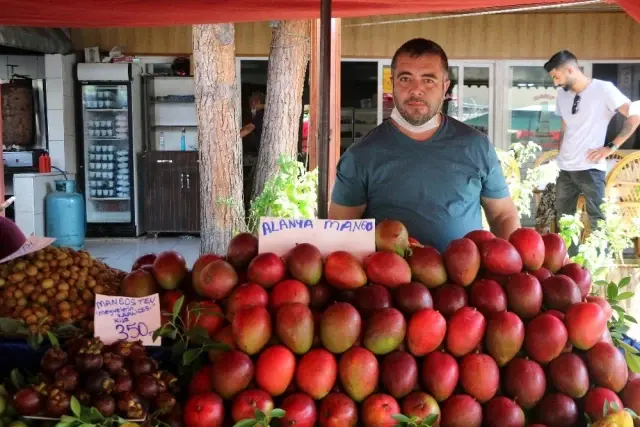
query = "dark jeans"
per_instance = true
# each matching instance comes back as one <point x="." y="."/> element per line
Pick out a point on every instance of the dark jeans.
<point x="570" y="185"/>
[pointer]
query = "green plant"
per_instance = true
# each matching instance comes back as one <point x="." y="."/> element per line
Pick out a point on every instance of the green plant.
<point x="197" y="338"/>
<point x="291" y="193"/>
<point x="513" y="161"/>
<point x="603" y="248"/>
<point x="404" y="421"/>
<point x="87" y="417"/>
<point x="261" y="419"/>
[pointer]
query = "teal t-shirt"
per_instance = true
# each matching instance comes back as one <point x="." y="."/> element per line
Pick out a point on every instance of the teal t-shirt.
<point x="433" y="187"/>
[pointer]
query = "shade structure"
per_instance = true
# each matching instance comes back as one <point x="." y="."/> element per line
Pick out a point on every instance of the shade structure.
<point x="140" y="13"/>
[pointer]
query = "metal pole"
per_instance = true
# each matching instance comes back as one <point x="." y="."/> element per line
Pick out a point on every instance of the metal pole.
<point x="324" y="131"/>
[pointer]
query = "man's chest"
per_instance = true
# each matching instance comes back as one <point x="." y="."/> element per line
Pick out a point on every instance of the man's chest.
<point x="583" y="110"/>
<point x="435" y="180"/>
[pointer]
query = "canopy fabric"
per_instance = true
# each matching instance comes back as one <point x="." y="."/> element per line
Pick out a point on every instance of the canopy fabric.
<point x="142" y="13"/>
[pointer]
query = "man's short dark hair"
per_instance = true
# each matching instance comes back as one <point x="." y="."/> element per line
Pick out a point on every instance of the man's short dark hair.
<point x="560" y="59"/>
<point x="416" y="48"/>
<point x="258" y="97"/>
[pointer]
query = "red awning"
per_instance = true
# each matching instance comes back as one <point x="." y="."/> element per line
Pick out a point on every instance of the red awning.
<point x="141" y="13"/>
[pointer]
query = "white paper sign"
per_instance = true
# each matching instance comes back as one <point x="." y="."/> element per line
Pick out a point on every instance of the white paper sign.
<point x="279" y="235"/>
<point x="125" y="318"/>
<point x="33" y="244"/>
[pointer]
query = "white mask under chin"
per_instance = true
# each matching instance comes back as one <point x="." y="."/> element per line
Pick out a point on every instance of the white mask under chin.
<point x="402" y="122"/>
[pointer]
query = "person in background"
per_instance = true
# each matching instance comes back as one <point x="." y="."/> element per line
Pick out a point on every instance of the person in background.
<point x="253" y="130"/>
<point x="422" y="167"/>
<point x="586" y="106"/>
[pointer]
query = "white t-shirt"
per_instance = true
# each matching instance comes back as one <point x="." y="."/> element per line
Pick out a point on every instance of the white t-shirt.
<point x="587" y="129"/>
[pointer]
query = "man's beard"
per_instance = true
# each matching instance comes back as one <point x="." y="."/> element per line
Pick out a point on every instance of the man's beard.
<point x="420" y="119"/>
<point x="568" y="84"/>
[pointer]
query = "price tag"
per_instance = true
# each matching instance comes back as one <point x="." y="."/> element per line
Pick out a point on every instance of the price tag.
<point x="125" y="318"/>
<point x="33" y="244"/>
<point x="279" y="235"/>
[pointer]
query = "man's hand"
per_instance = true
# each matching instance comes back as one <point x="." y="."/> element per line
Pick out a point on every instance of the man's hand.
<point x="598" y="154"/>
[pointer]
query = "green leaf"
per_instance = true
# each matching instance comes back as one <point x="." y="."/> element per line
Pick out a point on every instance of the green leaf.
<point x="177" y="307"/>
<point x="76" y="408"/>
<point x="614" y="406"/>
<point x="400" y="418"/>
<point x="612" y="291"/>
<point x="68" y="419"/>
<point x="605" y="408"/>
<point x="86" y="425"/>
<point x="178" y="349"/>
<point x="65" y="424"/>
<point x="431" y="419"/>
<point x="260" y="416"/>
<point x="95" y="415"/>
<point x="246" y="423"/>
<point x="53" y="339"/>
<point x="631" y="412"/>
<point x="217" y="346"/>
<point x="190" y="355"/>
<point x="12" y="326"/>
<point x="630" y="318"/>
<point x="625" y="295"/>
<point x="633" y="361"/>
<point x="199" y="335"/>
<point x="601" y="283"/>
<point x="17" y="379"/>
<point x="625" y="281"/>
<point x="277" y="413"/>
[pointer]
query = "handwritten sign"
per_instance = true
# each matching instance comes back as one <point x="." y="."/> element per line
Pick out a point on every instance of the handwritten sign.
<point x="279" y="235"/>
<point x="33" y="244"/>
<point x="125" y="318"/>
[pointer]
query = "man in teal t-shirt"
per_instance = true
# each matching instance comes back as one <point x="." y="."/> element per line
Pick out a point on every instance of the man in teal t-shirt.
<point x="423" y="168"/>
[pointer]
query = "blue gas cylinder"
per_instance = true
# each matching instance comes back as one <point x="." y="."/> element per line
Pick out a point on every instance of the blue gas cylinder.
<point x="65" y="215"/>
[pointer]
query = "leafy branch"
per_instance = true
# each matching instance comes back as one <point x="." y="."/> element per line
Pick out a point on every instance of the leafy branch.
<point x="87" y="417"/>
<point x="261" y="419"/>
<point x="177" y="329"/>
<point x="405" y="421"/>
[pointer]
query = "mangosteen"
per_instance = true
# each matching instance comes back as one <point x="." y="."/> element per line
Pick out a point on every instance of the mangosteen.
<point x="147" y="386"/>
<point x="123" y="383"/>
<point x="27" y="402"/>
<point x="67" y="378"/>
<point x="162" y="386"/>
<point x="83" y="396"/>
<point x="105" y="404"/>
<point x="74" y="345"/>
<point x="127" y="349"/>
<point x="89" y="359"/>
<point x="143" y="365"/>
<point x="54" y="359"/>
<point x="99" y="382"/>
<point x="130" y="406"/>
<point x="57" y="403"/>
<point x="171" y="381"/>
<point x="164" y="403"/>
<point x="113" y="363"/>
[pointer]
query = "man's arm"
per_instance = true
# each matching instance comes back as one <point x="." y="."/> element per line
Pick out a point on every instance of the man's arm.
<point x="563" y="129"/>
<point x="246" y="130"/>
<point x="628" y="128"/>
<point x="502" y="216"/>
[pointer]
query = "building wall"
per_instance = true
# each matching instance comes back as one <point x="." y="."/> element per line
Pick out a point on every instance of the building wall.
<point x="591" y="35"/>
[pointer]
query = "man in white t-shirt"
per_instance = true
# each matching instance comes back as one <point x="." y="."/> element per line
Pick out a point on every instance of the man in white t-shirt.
<point x="586" y="106"/>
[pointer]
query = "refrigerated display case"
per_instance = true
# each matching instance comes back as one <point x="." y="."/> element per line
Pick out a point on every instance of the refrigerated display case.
<point x="111" y="140"/>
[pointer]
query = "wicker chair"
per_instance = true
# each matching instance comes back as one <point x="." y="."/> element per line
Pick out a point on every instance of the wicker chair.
<point x="623" y="188"/>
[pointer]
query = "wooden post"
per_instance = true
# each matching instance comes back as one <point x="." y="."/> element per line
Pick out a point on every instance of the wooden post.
<point x="324" y="114"/>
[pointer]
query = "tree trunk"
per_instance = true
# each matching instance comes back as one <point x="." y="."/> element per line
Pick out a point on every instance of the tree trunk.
<point x="222" y="210"/>
<point x="288" y="58"/>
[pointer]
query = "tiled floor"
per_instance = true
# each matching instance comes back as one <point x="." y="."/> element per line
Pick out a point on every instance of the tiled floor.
<point x="121" y="253"/>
